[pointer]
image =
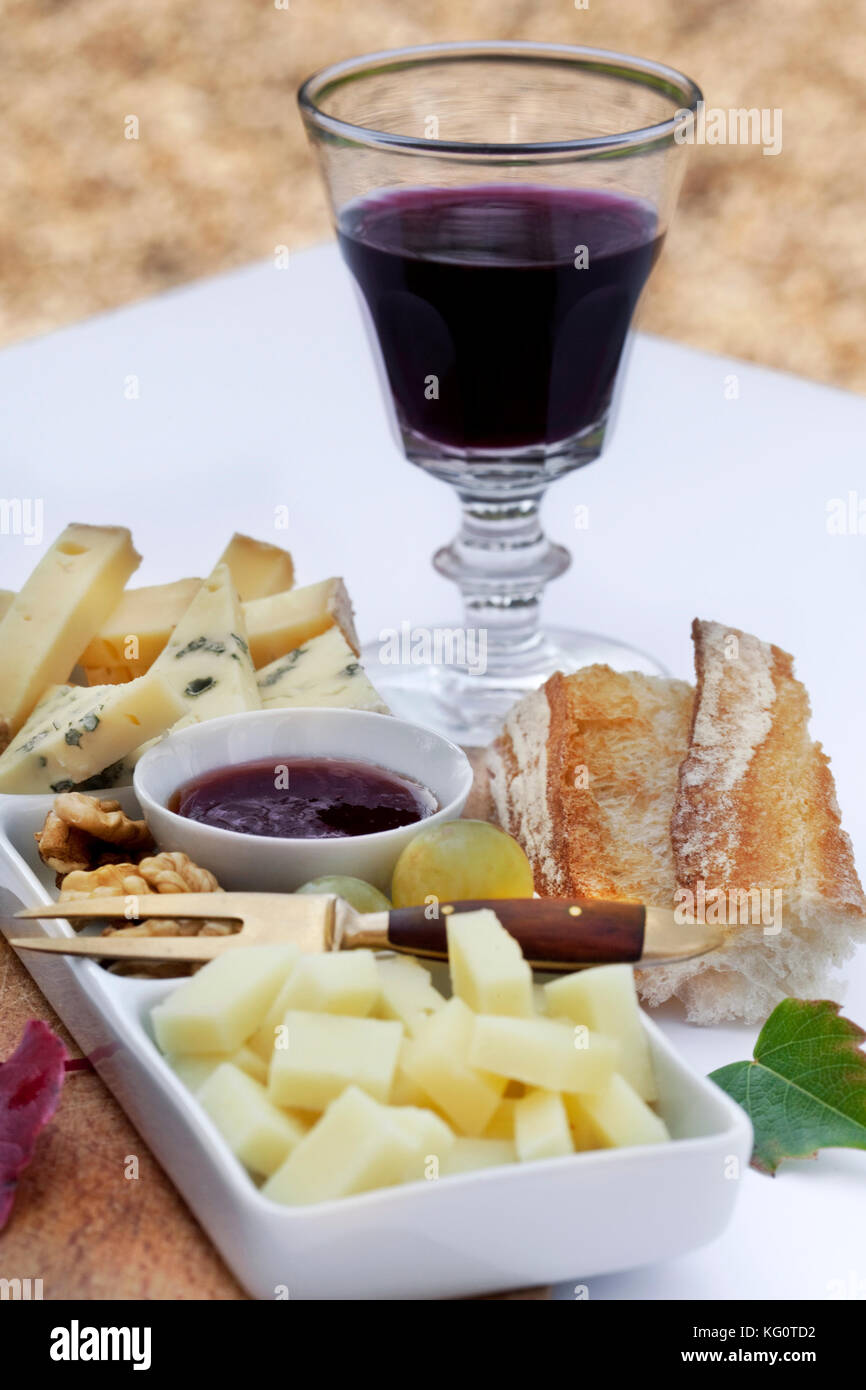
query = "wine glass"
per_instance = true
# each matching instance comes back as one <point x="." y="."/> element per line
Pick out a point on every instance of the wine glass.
<point x="500" y="206"/>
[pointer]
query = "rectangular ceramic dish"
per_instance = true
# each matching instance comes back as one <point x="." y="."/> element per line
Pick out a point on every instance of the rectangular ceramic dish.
<point x="480" y="1232"/>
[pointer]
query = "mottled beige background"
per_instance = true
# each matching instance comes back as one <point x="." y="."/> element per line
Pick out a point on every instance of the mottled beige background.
<point x="767" y="259"/>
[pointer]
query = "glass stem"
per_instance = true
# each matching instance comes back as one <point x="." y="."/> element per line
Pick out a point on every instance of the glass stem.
<point x="501" y="561"/>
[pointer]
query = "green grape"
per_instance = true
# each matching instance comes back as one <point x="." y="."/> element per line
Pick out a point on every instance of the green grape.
<point x="363" y="897"/>
<point x="461" y="859"/>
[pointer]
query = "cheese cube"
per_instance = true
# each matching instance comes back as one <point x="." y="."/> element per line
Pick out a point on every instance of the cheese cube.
<point x="404" y="1090"/>
<point x="324" y="671"/>
<point x="134" y="634"/>
<point x="207" y="658"/>
<point x="541" y="1052"/>
<point x="195" y="1068"/>
<point x="437" y="1060"/>
<point x="469" y="1154"/>
<point x="605" y="998"/>
<point x="340" y="987"/>
<point x="85" y="732"/>
<point x="541" y="1127"/>
<point x="283" y="622"/>
<point x="321" y="1054"/>
<point x="336" y="982"/>
<point x="501" y="1125"/>
<point x="47" y="625"/>
<point x="616" y="1116"/>
<point x="6" y="598"/>
<point x="406" y="992"/>
<point x="257" y="568"/>
<point x="432" y="1140"/>
<point x="216" y="1009"/>
<point x="356" y="1145"/>
<point x="488" y="971"/>
<point x="259" y="1134"/>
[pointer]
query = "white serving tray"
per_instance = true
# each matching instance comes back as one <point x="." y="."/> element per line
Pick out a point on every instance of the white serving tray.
<point x="481" y="1232"/>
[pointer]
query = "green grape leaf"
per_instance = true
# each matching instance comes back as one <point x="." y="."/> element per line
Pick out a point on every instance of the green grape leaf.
<point x="806" y="1088"/>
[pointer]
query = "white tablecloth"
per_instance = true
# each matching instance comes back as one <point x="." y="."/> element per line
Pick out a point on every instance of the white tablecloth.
<point x="216" y="407"/>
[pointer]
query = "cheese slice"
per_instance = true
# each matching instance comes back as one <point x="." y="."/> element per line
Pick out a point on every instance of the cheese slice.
<point x="323" y="672"/>
<point x="283" y="622"/>
<point x="137" y="631"/>
<point x="48" y="624"/>
<point x="84" y="730"/>
<point x="257" y="568"/>
<point x="207" y="659"/>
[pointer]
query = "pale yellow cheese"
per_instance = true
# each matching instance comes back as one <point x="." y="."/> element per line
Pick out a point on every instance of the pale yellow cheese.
<point x="63" y="603"/>
<point x="541" y="1128"/>
<point x="542" y="1052"/>
<point x="604" y="998"/>
<point x="257" y="568"/>
<point x="467" y="1155"/>
<point x="133" y="636"/>
<point x="501" y="1125"/>
<point x="432" y="1140"/>
<point x="323" y="672"/>
<point x="259" y="1134"/>
<point x="406" y="992"/>
<point x="218" y="1008"/>
<point x="193" y="1069"/>
<point x="437" y="1059"/>
<point x="86" y="734"/>
<point x="318" y="1055"/>
<point x="6" y="597"/>
<point x="356" y="1146"/>
<point x="488" y="971"/>
<point x="615" y="1117"/>
<point x="207" y="659"/>
<point x="336" y="982"/>
<point x="283" y="622"/>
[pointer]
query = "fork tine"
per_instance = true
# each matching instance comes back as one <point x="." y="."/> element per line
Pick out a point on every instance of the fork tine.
<point x="161" y="948"/>
<point x="136" y="907"/>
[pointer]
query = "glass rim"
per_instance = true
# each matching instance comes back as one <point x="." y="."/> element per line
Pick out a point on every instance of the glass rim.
<point x="642" y="71"/>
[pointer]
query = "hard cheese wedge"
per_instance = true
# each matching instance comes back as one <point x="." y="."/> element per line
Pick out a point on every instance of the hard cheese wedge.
<point x="85" y="730"/>
<point x="129" y="642"/>
<point x="324" y="671"/>
<point x="257" y="568"/>
<point x="284" y="622"/>
<point x="207" y="659"/>
<point x="69" y="594"/>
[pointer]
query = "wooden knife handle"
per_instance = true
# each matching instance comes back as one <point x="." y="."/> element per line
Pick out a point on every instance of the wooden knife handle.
<point x="559" y="933"/>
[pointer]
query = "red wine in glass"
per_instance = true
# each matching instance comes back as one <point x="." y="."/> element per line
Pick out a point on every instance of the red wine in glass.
<point x="501" y="312"/>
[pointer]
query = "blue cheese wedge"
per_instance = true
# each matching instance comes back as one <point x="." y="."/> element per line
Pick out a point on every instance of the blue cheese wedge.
<point x="207" y="658"/>
<point x="79" y="731"/>
<point x="324" y="671"/>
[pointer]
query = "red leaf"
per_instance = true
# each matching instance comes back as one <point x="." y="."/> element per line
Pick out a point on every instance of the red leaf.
<point x="30" y="1082"/>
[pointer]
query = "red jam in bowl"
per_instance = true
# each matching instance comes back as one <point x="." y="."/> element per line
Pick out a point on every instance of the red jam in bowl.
<point x="304" y="798"/>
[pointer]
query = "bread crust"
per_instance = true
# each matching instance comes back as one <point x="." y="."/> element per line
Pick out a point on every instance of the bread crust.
<point x="756" y="804"/>
<point x="722" y="788"/>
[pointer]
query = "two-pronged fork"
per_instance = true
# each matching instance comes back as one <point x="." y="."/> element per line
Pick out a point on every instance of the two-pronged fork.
<point x="554" y="933"/>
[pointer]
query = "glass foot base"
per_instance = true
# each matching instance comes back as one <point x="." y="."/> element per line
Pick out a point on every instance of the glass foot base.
<point x="469" y="705"/>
